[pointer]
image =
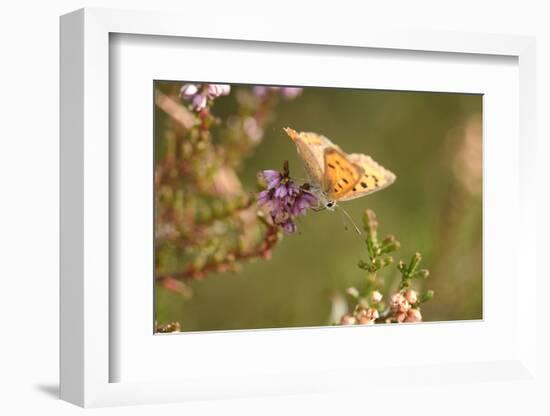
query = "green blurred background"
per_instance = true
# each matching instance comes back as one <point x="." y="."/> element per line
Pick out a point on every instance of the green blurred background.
<point x="431" y="141"/>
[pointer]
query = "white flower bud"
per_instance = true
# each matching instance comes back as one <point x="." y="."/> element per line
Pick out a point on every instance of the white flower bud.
<point x="411" y="296"/>
<point x="188" y="91"/>
<point x="376" y="296"/>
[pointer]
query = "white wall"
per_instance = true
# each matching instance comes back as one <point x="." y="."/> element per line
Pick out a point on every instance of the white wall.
<point x="29" y="56"/>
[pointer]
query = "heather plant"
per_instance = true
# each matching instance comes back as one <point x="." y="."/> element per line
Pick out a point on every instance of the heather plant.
<point x="207" y="222"/>
<point x="368" y="302"/>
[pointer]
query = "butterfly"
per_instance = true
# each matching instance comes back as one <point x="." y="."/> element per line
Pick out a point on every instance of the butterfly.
<point x="334" y="175"/>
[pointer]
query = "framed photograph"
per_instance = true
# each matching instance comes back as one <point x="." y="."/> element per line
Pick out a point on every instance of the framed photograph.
<point x="250" y="215"/>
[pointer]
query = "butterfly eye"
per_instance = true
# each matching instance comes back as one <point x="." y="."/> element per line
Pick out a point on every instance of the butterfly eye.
<point x="330" y="204"/>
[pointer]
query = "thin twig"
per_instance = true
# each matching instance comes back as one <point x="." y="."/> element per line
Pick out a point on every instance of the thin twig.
<point x="175" y="110"/>
<point x="263" y="250"/>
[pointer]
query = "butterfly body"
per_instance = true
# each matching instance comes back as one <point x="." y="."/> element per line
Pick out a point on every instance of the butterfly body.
<point x="334" y="175"/>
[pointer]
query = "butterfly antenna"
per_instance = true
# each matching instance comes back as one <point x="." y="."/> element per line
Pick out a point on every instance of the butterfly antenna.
<point x="349" y="218"/>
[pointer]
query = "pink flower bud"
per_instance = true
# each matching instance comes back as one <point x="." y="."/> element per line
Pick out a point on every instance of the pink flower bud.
<point x="216" y="90"/>
<point x="188" y="91"/>
<point x="376" y="296"/>
<point x="399" y="303"/>
<point x="367" y="316"/>
<point x="365" y="321"/>
<point x="400" y="316"/>
<point x="348" y="320"/>
<point x="213" y="90"/>
<point x="413" y="315"/>
<point x="411" y="296"/>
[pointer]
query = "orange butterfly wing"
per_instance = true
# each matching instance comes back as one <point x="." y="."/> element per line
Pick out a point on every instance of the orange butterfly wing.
<point x="374" y="177"/>
<point x="341" y="176"/>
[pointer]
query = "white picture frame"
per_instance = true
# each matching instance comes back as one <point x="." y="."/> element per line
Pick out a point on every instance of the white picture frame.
<point x="87" y="301"/>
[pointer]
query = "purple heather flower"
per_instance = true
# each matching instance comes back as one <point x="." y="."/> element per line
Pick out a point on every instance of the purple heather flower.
<point x="272" y="177"/>
<point x="281" y="192"/>
<point x="292" y="189"/>
<point x="264" y="197"/>
<point x="287" y="191"/>
<point x="199" y="102"/>
<point x="284" y="199"/>
<point x="303" y="202"/>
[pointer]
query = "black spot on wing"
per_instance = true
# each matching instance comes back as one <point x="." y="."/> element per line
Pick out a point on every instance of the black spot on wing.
<point x="363" y="184"/>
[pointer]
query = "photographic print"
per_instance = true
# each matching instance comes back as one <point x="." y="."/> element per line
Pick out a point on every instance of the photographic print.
<point x="290" y="206"/>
